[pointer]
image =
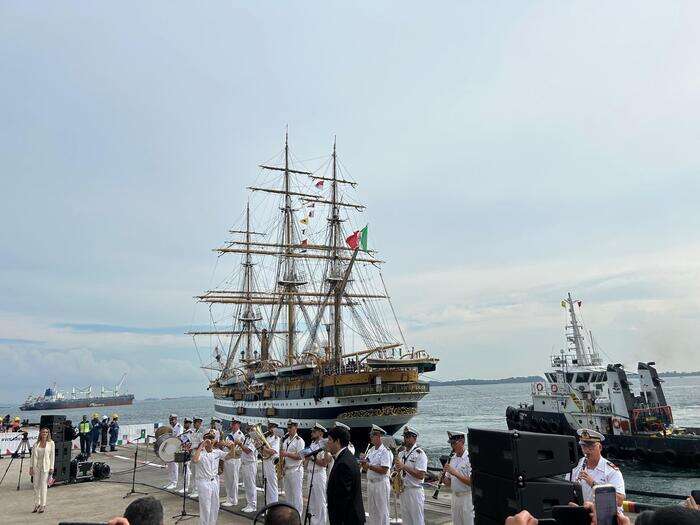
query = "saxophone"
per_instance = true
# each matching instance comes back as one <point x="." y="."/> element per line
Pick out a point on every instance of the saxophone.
<point x="395" y="478"/>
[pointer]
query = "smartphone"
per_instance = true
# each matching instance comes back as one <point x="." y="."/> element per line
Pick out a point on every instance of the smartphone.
<point x="605" y="502"/>
<point x="566" y="515"/>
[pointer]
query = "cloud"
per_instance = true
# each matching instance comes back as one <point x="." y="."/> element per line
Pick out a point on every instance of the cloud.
<point x="117" y="329"/>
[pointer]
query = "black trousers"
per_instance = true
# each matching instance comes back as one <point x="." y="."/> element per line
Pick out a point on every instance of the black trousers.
<point x="85" y="443"/>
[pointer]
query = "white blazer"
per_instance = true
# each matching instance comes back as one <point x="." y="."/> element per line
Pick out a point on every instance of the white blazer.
<point x="49" y="454"/>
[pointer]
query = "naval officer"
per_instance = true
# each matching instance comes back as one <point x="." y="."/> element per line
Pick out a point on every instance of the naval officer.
<point x="196" y="437"/>
<point x="249" y="472"/>
<point x="269" y="469"/>
<point x="593" y="469"/>
<point x="458" y="473"/>
<point x="293" y="473"/>
<point x="232" y="466"/>
<point x="316" y="474"/>
<point x="377" y="464"/>
<point x="207" y="458"/>
<point x="171" y="466"/>
<point x="412" y="463"/>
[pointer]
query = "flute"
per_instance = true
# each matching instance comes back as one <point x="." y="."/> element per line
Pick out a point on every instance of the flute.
<point x="442" y="477"/>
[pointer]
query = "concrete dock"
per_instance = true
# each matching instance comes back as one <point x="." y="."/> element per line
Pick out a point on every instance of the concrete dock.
<point x="99" y="501"/>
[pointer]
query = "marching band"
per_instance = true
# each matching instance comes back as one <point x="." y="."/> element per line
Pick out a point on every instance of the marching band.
<point x="392" y="474"/>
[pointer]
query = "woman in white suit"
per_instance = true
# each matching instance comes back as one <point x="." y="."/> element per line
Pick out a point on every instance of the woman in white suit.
<point x="41" y="468"/>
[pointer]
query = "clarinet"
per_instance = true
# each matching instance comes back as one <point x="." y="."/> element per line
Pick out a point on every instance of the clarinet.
<point x="583" y="468"/>
<point x="442" y="477"/>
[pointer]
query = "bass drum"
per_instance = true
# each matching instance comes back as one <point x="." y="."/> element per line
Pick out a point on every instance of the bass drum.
<point x="165" y="429"/>
<point x="166" y="446"/>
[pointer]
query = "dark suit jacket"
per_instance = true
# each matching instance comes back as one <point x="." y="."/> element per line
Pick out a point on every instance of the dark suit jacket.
<point x="344" y="491"/>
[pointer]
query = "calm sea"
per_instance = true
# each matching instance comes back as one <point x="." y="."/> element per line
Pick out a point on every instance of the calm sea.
<point x="457" y="408"/>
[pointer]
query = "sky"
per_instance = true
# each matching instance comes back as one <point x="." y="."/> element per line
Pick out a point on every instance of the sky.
<point x="508" y="153"/>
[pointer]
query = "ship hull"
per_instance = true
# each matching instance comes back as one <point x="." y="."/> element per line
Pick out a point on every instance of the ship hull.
<point x="79" y="403"/>
<point x="679" y="450"/>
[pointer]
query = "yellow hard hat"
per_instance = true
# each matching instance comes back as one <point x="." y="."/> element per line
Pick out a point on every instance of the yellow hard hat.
<point x="95" y="414"/>
<point x="115" y="416"/>
<point x="16" y="418"/>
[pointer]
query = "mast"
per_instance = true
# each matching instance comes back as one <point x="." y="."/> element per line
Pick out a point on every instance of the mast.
<point x="247" y="284"/>
<point x="335" y="265"/>
<point x="576" y="338"/>
<point x="289" y="277"/>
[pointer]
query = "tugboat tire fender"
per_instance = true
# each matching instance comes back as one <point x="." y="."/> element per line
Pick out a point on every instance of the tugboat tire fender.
<point x="671" y="456"/>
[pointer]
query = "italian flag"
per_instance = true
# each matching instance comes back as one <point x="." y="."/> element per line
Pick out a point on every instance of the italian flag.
<point x="358" y="239"/>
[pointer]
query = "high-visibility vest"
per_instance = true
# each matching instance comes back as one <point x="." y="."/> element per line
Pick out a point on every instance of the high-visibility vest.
<point x="84" y="427"/>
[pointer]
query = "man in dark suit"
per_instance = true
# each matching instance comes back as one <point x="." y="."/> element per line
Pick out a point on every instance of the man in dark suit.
<point x="344" y="488"/>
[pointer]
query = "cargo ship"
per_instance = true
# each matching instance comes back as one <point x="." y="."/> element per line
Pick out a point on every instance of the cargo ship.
<point x="78" y="398"/>
<point x="580" y="392"/>
<point x="303" y="326"/>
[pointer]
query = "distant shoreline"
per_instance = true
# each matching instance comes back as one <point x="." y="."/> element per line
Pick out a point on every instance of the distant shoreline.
<point x="532" y="379"/>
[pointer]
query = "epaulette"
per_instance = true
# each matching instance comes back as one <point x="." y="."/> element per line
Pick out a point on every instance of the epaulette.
<point x="613" y="465"/>
<point x="419" y="451"/>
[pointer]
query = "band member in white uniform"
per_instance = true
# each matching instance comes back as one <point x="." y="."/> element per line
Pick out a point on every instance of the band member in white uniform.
<point x="413" y="465"/>
<point x="249" y="471"/>
<point x="171" y="466"/>
<point x="232" y="466"/>
<point x="293" y="473"/>
<point x="351" y="447"/>
<point x="316" y="473"/>
<point x="206" y="457"/>
<point x="269" y="468"/>
<point x="377" y="464"/>
<point x="458" y="473"/>
<point x="593" y="469"/>
<point x="215" y="428"/>
<point x="196" y="437"/>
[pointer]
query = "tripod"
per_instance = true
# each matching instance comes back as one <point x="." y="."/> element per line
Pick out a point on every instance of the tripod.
<point x="133" y="474"/>
<point x="23" y="449"/>
<point x="184" y="515"/>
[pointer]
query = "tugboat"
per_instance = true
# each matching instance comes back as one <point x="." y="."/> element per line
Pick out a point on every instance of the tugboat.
<point x="580" y="392"/>
<point x="304" y="327"/>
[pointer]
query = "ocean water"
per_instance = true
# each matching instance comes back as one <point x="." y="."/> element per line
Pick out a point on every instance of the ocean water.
<point x="455" y="408"/>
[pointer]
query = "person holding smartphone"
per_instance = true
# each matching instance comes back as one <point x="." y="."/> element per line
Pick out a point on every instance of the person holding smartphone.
<point x="593" y="469"/>
<point x="41" y="468"/>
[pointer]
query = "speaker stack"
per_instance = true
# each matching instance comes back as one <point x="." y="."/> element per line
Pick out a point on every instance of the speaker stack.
<point x="514" y="471"/>
<point x="62" y="435"/>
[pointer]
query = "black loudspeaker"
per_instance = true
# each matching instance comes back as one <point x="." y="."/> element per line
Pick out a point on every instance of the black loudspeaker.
<point x="497" y="498"/>
<point x="62" y="461"/>
<point x="68" y="430"/>
<point x="521" y="455"/>
<point x="56" y="424"/>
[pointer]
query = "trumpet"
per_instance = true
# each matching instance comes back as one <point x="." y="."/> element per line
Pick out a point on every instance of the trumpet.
<point x="442" y="477"/>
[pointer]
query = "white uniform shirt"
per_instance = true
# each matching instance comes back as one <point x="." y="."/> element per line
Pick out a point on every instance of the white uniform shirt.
<point x="217" y="434"/>
<point x="293" y="445"/>
<point x="208" y="464"/>
<point x="315" y="445"/>
<point x="196" y="437"/>
<point x="274" y="442"/>
<point x="252" y="456"/>
<point x="177" y="429"/>
<point x="604" y="472"/>
<point x="416" y="459"/>
<point x="379" y="457"/>
<point x="464" y="467"/>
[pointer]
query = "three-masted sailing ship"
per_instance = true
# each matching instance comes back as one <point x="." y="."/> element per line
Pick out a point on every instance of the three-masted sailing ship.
<point x="303" y="327"/>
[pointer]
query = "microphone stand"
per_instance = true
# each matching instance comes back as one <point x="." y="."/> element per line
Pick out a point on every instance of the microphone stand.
<point x="184" y="515"/>
<point x="307" y="513"/>
<point x="133" y="473"/>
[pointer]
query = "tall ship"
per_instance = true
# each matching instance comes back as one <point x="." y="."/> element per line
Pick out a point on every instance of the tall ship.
<point x="78" y="398"/>
<point x="580" y="392"/>
<point x="303" y="326"/>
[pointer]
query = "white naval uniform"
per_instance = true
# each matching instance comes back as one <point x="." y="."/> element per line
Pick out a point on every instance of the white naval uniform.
<point x="208" y="485"/>
<point x="378" y="486"/>
<point x="196" y="437"/>
<point x="270" y="471"/>
<point x="316" y="475"/>
<point x="171" y="466"/>
<point x="232" y="469"/>
<point x="462" y="508"/>
<point x="249" y="471"/>
<point x="604" y="472"/>
<point x="294" y="473"/>
<point x="413" y="497"/>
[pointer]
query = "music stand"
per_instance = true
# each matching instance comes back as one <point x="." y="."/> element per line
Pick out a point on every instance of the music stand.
<point x="133" y="473"/>
<point x="184" y="458"/>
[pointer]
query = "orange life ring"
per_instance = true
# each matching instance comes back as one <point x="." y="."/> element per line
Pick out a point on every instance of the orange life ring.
<point x="540" y="387"/>
<point x="555" y="388"/>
